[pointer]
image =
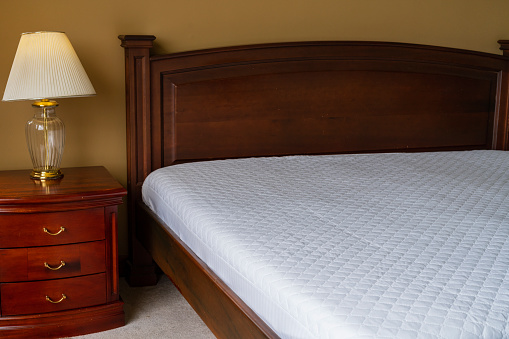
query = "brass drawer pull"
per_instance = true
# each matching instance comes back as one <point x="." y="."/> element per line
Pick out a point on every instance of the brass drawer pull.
<point x="60" y="231"/>
<point x="56" y="302"/>
<point x="62" y="264"/>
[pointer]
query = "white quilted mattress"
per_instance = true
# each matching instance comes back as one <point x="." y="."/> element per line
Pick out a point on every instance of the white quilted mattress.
<point x="352" y="246"/>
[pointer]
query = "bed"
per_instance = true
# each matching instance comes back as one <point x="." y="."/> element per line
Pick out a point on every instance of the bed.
<point x="277" y="108"/>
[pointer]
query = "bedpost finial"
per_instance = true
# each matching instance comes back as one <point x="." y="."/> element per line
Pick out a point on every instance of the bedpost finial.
<point x="504" y="46"/>
<point x="140" y="41"/>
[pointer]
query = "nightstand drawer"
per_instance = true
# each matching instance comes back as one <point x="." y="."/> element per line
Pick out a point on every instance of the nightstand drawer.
<point x="41" y="263"/>
<point x="48" y="296"/>
<point x="54" y="228"/>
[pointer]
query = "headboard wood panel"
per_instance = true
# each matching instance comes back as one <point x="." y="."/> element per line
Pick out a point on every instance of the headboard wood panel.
<point x="275" y="110"/>
<point x="323" y="98"/>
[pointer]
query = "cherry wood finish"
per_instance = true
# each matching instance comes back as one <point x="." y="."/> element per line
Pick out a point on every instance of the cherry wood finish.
<point x="287" y="99"/>
<point x="24" y="298"/>
<point x="28" y="231"/>
<point x="56" y="325"/>
<point x="59" y="238"/>
<point x="141" y="270"/>
<point x="27" y="264"/>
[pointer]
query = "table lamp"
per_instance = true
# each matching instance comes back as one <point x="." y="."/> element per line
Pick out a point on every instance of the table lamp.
<point x="46" y="67"/>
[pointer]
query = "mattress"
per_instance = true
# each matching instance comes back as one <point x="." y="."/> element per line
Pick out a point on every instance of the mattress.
<point x="403" y="245"/>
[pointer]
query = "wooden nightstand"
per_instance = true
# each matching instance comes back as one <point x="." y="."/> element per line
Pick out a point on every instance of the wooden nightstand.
<point x="58" y="254"/>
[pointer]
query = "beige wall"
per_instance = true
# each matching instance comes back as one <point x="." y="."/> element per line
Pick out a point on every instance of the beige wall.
<point x="96" y="126"/>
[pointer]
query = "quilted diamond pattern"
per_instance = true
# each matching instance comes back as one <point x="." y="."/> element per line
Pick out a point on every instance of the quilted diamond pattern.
<point x="353" y="246"/>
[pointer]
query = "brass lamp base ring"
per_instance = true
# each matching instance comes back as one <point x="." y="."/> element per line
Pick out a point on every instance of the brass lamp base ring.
<point x="46" y="175"/>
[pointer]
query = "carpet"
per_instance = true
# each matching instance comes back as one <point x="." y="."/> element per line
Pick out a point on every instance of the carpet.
<point x="156" y="312"/>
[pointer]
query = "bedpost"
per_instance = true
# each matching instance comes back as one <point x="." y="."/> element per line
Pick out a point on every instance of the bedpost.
<point x="504" y="46"/>
<point x="503" y="95"/>
<point x="137" y="73"/>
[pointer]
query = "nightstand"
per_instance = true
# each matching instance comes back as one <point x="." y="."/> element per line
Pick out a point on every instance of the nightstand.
<point x="58" y="254"/>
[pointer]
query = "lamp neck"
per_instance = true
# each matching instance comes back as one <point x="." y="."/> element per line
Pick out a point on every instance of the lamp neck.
<point x="45" y="103"/>
<point x="44" y="112"/>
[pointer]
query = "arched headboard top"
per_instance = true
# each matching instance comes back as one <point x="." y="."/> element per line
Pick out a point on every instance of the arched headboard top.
<point x="310" y="98"/>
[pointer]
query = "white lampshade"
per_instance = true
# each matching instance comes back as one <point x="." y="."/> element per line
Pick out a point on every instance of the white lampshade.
<point x="46" y="66"/>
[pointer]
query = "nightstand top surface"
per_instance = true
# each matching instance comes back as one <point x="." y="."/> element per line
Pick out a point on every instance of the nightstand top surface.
<point x="79" y="184"/>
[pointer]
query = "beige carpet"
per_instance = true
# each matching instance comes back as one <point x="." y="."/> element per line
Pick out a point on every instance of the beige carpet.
<point x="156" y="312"/>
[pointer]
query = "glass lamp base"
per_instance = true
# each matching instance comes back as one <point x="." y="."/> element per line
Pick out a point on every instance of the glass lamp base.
<point x="45" y="134"/>
<point x="46" y="175"/>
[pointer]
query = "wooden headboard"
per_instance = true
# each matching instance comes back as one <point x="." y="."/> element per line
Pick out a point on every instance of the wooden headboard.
<point x="309" y="98"/>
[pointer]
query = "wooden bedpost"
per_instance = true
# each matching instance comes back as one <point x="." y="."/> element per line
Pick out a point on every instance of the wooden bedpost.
<point x="137" y="69"/>
<point x="504" y="98"/>
<point x="504" y="46"/>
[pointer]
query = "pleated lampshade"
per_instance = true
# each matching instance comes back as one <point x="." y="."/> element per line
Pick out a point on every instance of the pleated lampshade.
<point x="46" y="66"/>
